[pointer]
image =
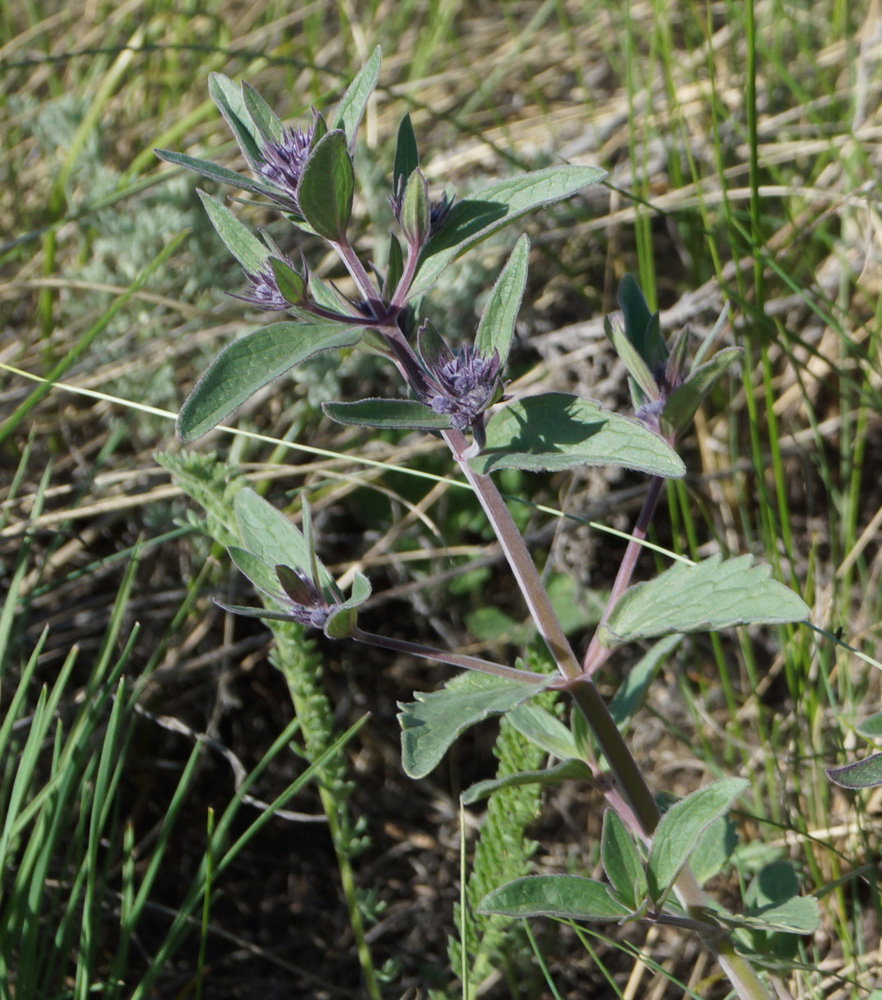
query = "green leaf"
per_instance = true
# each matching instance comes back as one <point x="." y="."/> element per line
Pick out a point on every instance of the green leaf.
<point x="260" y="573"/>
<point x="632" y="690"/>
<point x="678" y="831"/>
<point x="567" y="770"/>
<point x="866" y="773"/>
<point x="772" y="903"/>
<point x="407" y="157"/>
<point x="262" y="115"/>
<point x="542" y="728"/>
<point x="242" y="244"/>
<point x="327" y="186"/>
<point x="711" y="595"/>
<point x="637" y="315"/>
<point x="354" y="101"/>
<point x="682" y="403"/>
<point x="394" y="267"/>
<point x="231" y="104"/>
<point x="556" y="431"/>
<point x="251" y="363"/>
<point x="488" y="210"/>
<point x="249" y="612"/>
<point x="213" y="172"/>
<point x="621" y="862"/>
<point x="268" y="534"/>
<point x="430" y="724"/>
<point x="405" y="413"/>
<point x="715" y="847"/>
<point x="291" y="283"/>
<point x="415" y="210"/>
<point x="341" y="622"/>
<point x="569" y="896"/>
<point x="496" y="328"/>
<point x="632" y="360"/>
<point x="871" y="727"/>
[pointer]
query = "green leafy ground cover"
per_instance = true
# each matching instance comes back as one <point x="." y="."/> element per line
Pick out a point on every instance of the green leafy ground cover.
<point x="137" y="713"/>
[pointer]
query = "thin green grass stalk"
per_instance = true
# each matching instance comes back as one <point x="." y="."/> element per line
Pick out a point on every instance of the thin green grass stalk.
<point x="540" y="960"/>
<point x="206" y="906"/>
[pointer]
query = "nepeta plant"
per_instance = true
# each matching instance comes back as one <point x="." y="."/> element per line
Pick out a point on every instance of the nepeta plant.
<point x="655" y="864"/>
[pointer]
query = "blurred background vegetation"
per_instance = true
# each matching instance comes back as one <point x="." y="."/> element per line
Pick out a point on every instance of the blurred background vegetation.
<point x="743" y="148"/>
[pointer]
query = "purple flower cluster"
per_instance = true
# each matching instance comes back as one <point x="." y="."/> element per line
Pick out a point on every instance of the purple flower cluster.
<point x="283" y="162"/>
<point x="462" y="384"/>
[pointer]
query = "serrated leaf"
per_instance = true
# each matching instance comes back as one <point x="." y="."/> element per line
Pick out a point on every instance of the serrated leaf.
<point x="678" y="831"/>
<point x="326" y="187"/>
<point x="231" y="104"/>
<point x="354" y="101"/>
<point x="866" y="773"/>
<point x="568" y="896"/>
<point x="632" y="690"/>
<point x="262" y="115"/>
<point x="214" y="172"/>
<point x="251" y="363"/>
<point x="567" y="770"/>
<point x="714" y="849"/>
<point x="539" y="726"/>
<point x="681" y="405"/>
<point x="488" y="210"/>
<point x="621" y="862"/>
<point x="430" y="724"/>
<point x="342" y="620"/>
<point x="242" y="244"/>
<point x="496" y="328"/>
<point x="407" y="157"/>
<point x="556" y="431"/>
<point x="388" y="413"/>
<point x="711" y="595"/>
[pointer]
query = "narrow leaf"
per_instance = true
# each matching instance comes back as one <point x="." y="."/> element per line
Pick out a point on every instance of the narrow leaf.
<point x="430" y="724"/>
<point x="569" y="896"/>
<point x="260" y="573"/>
<point x="633" y="361"/>
<point x="262" y="115"/>
<point x="496" y="329"/>
<point x="407" y="157"/>
<point x="711" y="595"/>
<point x="866" y="773"/>
<point x="242" y="244"/>
<point x="251" y="363"/>
<point x="214" y="172"/>
<point x="231" y="104"/>
<point x="354" y="101"/>
<point x="682" y="403"/>
<point x="631" y="692"/>
<point x="291" y="283"/>
<point x="636" y="313"/>
<point x="567" y="770"/>
<point x="555" y="431"/>
<point x="250" y="612"/>
<point x="488" y="210"/>
<point x="388" y="413"/>
<point x="681" y="826"/>
<point x="621" y="862"/>
<point x="327" y="186"/>
<point x="542" y="728"/>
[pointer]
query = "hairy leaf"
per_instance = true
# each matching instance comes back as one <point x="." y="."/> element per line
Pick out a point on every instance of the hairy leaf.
<point x="556" y="431"/>
<point x="866" y="773"/>
<point x="681" y="826"/>
<point x="407" y="157"/>
<point x="327" y="186"/>
<point x="231" y="104"/>
<point x="242" y="244"/>
<point x="474" y="219"/>
<point x="567" y="770"/>
<point x="354" y="101"/>
<point x="497" y="325"/>
<point x="621" y="862"/>
<point x="430" y="724"/>
<point x="405" y="413"/>
<point x="711" y="595"/>
<point x="262" y="115"/>
<point x="251" y="363"/>
<point x="568" y="896"/>
<point x="214" y="172"/>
